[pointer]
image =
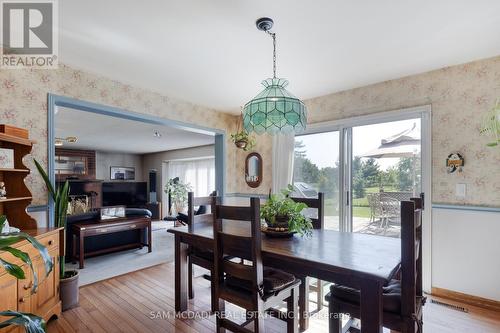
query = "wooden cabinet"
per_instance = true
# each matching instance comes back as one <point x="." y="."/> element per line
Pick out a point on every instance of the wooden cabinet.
<point x="8" y="295"/>
<point x="18" y="195"/>
<point x="16" y="294"/>
<point x="74" y="164"/>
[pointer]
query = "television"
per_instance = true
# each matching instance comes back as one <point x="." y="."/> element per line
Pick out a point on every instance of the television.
<point x="129" y="194"/>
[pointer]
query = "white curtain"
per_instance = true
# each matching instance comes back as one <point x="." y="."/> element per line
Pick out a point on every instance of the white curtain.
<point x="199" y="173"/>
<point x="283" y="155"/>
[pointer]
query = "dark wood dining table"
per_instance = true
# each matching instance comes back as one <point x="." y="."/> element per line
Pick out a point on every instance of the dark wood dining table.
<point x="360" y="261"/>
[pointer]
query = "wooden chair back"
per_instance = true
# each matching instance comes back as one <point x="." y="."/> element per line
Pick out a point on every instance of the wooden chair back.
<point x="318" y="204"/>
<point x="193" y="201"/>
<point x="232" y="245"/>
<point x="411" y="255"/>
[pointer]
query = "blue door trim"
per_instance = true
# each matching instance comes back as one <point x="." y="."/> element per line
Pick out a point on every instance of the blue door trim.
<point x="54" y="101"/>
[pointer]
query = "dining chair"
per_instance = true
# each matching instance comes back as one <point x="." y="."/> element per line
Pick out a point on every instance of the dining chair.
<point x="402" y="299"/>
<point x="318" y="222"/>
<point x="197" y="256"/>
<point x="248" y="284"/>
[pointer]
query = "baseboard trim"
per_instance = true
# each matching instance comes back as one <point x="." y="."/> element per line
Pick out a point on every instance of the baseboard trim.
<point x="467" y="299"/>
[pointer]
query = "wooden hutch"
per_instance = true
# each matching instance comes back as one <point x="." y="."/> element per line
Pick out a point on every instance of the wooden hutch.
<point x="16" y="294"/>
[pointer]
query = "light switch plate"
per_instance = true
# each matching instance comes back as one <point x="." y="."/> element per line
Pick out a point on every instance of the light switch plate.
<point x="461" y="190"/>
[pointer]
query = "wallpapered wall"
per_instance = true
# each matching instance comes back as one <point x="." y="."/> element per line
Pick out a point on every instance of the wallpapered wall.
<point x="23" y="103"/>
<point x="459" y="95"/>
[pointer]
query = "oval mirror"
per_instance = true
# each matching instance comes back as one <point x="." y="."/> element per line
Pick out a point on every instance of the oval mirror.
<point x="253" y="170"/>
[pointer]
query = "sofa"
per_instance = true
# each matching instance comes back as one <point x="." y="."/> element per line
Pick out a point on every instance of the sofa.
<point x="101" y="242"/>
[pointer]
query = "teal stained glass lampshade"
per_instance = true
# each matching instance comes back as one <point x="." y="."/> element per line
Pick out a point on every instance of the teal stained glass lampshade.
<point x="275" y="110"/>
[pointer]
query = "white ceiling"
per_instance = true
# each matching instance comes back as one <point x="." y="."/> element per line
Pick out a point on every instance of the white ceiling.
<point x="210" y="53"/>
<point x="106" y="133"/>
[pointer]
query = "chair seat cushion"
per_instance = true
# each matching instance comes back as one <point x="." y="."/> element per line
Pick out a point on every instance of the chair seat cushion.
<point x="275" y="281"/>
<point x="391" y="295"/>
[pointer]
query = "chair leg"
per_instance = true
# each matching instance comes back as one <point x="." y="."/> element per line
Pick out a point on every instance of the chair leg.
<point x="213" y="298"/>
<point x="190" y="279"/>
<point x="259" y="324"/>
<point x="334" y="318"/>
<point x="304" y="304"/>
<point x="220" y="310"/>
<point x="319" y="295"/>
<point x="292" y="311"/>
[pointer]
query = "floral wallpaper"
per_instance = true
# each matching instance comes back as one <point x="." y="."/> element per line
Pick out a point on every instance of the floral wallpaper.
<point x="460" y="96"/>
<point x="23" y="103"/>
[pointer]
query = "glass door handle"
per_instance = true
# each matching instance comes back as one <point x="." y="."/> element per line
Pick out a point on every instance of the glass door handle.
<point x="422" y="196"/>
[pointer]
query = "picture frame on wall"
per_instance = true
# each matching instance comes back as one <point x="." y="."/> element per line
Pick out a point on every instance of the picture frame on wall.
<point x="6" y="158"/>
<point x="122" y="173"/>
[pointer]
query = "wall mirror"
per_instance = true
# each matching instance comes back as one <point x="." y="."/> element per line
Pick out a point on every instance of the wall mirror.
<point x="253" y="170"/>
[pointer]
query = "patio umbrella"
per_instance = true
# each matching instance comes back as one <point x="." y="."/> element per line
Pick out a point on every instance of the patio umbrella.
<point x="404" y="144"/>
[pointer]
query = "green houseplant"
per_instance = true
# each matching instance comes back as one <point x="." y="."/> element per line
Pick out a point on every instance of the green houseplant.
<point x="178" y="193"/>
<point x="68" y="278"/>
<point x="243" y="140"/>
<point x="282" y="214"/>
<point x="30" y="322"/>
<point x="491" y="125"/>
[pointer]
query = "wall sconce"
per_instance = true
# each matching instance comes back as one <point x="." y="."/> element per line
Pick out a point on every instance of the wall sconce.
<point x="454" y="162"/>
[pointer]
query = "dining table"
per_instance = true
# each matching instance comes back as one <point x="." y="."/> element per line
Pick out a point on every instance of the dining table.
<point x="361" y="261"/>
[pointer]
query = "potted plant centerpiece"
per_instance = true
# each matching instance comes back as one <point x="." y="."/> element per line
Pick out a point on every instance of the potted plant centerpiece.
<point x="30" y="322"/>
<point x="284" y="216"/>
<point x="178" y="193"/>
<point x="68" y="278"/>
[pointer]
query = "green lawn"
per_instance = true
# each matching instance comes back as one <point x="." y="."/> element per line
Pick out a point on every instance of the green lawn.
<point x="360" y="208"/>
<point x="361" y="211"/>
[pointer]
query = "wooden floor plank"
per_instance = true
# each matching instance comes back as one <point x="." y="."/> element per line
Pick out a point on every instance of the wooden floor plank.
<point x="125" y="303"/>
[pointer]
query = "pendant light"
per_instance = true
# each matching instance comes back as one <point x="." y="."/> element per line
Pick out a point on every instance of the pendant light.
<point x="274" y="110"/>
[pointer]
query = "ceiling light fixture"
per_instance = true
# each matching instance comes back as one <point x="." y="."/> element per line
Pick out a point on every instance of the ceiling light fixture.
<point x="274" y="110"/>
<point x="58" y="142"/>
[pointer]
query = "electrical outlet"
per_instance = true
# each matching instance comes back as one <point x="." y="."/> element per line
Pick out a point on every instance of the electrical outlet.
<point x="461" y="190"/>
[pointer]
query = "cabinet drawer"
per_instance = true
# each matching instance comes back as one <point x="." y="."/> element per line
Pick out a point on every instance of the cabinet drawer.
<point x="51" y="241"/>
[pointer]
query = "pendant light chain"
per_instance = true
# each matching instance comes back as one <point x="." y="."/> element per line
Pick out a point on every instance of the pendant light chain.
<point x="273" y="35"/>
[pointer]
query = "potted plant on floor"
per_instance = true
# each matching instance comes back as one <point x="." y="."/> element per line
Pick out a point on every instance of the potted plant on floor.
<point x="284" y="216"/>
<point x="68" y="278"/>
<point x="30" y="322"/>
<point x="178" y="193"/>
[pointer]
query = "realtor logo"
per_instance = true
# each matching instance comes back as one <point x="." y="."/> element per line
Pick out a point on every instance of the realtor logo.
<point x="28" y="34"/>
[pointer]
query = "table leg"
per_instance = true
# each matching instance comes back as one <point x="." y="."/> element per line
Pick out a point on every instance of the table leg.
<point x="181" y="287"/>
<point x="150" y="240"/>
<point x="371" y="307"/>
<point x="73" y="252"/>
<point x="304" y="304"/>
<point x="81" y="253"/>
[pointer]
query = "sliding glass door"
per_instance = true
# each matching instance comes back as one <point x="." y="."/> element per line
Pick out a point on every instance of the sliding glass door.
<point x="365" y="167"/>
<point x="385" y="170"/>
<point x="317" y="169"/>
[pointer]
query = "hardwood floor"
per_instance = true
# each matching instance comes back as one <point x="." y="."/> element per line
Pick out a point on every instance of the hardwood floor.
<point x="143" y="301"/>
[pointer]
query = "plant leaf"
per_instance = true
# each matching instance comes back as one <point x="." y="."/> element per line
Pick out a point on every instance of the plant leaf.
<point x="31" y="323"/>
<point x="27" y="260"/>
<point x="3" y="219"/>
<point x="46" y="179"/>
<point x="13" y="269"/>
<point x="9" y="239"/>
